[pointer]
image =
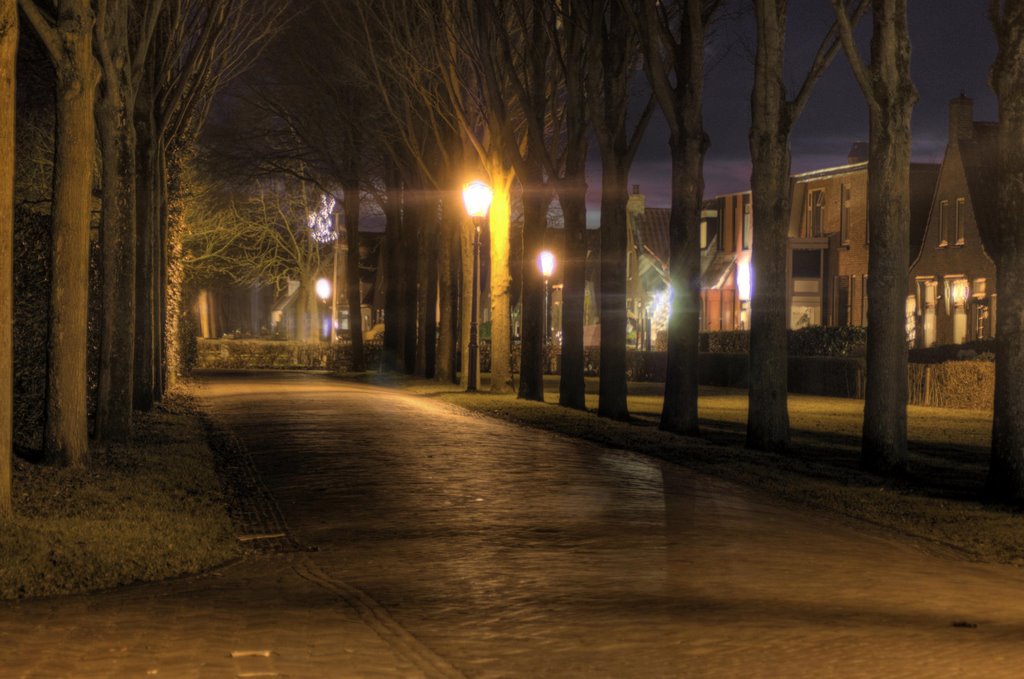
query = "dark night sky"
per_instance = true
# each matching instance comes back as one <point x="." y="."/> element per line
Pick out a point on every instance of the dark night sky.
<point x="952" y="49"/>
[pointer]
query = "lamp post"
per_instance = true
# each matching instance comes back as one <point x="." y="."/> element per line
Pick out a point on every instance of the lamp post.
<point x="477" y="197"/>
<point x="546" y="264"/>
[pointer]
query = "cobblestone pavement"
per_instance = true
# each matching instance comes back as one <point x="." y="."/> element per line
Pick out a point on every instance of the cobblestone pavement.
<point x="449" y="545"/>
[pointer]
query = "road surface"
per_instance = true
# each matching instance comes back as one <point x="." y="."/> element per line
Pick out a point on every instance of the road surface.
<point x="444" y="544"/>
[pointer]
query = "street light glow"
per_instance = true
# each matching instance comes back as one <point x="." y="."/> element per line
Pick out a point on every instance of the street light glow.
<point x="323" y="289"/>
<point x="546" y="263"/>
<point x="477" y="197"/>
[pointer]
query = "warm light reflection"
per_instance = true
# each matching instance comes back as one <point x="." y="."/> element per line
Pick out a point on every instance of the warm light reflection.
<point x="477" y="197"/>
<point x="323" y="289"/>
<point x="546" y="263"/>
<point x="743" y="280"/>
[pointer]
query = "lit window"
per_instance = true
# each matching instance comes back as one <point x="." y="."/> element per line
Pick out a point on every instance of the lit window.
<point x="816" y="213"/>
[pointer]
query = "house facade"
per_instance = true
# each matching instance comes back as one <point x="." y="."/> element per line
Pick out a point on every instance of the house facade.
<point x="648" y="277"/>
<point x="829" y="240"/>
<point x="727" y="233"/>
<point x="951" y="297"/>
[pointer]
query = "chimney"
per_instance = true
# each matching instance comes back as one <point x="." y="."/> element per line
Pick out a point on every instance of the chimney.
<point x="858" y="153"/>
<point x="961" y="118"/>
<point x="636" y="204"/>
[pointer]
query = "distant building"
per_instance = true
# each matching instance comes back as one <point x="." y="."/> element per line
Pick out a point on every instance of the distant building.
<point x="726" y="238"/>
<point x="952" y="296"/>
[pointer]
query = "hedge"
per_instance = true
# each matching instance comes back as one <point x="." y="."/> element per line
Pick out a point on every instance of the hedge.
<point x="953" y="384"/>
<point x="817" y="340"/>
<point x="253" y="354"/>
<point x="31" y="310"/>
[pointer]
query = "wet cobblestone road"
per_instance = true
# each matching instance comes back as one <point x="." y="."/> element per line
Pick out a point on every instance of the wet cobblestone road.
<point x="453" y="545"/>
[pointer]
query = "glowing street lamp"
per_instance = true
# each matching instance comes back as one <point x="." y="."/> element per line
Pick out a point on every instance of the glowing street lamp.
<point x="477" y="196"/>
<point x="323" y="289"/>
<point x="546" y="264"/>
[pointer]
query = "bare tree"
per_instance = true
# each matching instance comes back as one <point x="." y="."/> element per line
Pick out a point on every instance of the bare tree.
<point x="200" y="45"/>
<point x="773" y="115"/>
<point x="890" y="95"/>
<point x="8" y="52"/>
<point x="612" y="60"/>
<point x="68" y="37"/>
<point x="278" y="234"/>
<point x="570" y="37"/>
<point x="1006" y="472"/>
<point x="123" y="34"/>
<point x="673" y="37"/>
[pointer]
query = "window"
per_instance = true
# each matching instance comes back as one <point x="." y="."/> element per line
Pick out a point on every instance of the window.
<point x="703" y="234"/>
<point x="815" y="214"/>
<point x="961" y="209"/>
<point x="844" y="214"/>
<point x="943" y="223"/>
<point x="747" y="234"/>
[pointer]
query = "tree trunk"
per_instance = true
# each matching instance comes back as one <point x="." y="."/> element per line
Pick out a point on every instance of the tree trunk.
<point x="885" y="405"/>
<point x="884" y="444"/>
<point x="354" y="297"/>
<point x="426" y="288"/>
<point x="409" y="276"/>
<point x="614" y="196"/>
<point x="66" y="435"/>
<point x="535" y="210"/>
<point x="394" y="317"/>
<point x="146" y="215"/>
<point x="8" y="52"/>
<point x="500" y="223"/>
<point x="572" y="388"/>
<point x="768" y="405"/>
<point x="447" y="283"/>
<point x="679" y="412"/>
<point x="117" y="343"/>
<point x="768" y="409"/>
<point x="1005" y="481"/>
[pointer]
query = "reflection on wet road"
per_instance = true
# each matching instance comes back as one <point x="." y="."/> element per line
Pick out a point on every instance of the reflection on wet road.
<point x="500" y="551"/>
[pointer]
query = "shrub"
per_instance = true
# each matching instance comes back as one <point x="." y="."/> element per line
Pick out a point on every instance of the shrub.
<point x="953" y="384"/>
<point x="820" y="340"/>
<point x="188" y="344"/>
<point x="815" y="340"/>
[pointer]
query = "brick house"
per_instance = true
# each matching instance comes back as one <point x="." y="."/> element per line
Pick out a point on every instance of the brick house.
<point x="951" y="296"/>
<point x="827" y="265"/>
<point x="727" y="232"/>
<point x="648" y="274"/>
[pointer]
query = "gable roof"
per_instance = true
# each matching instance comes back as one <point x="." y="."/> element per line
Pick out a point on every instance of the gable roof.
<point x="979" y="158"/>
<point x="923" y="180"/>
<point x="652" y="231"/>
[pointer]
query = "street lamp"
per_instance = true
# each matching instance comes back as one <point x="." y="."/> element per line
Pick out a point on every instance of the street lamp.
<point x="477" y="197"/>
<point x="323" y="289"/>
<point x="546" y="264"/>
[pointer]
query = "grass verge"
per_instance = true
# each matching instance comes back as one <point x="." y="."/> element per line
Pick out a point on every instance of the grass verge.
<point x="938" y="502"/>
<point x="149" y="510"/>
